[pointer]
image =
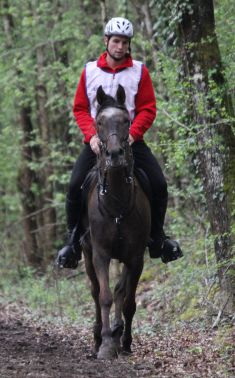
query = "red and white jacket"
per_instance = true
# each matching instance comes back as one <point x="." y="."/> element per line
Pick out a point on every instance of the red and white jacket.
<point x="140" y="98"/>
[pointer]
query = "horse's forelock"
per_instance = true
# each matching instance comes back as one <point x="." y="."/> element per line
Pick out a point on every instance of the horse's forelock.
<point x="110" y="104"/>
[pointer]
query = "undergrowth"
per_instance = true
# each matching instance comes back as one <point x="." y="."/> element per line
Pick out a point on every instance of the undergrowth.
<point x="177" y="293"/>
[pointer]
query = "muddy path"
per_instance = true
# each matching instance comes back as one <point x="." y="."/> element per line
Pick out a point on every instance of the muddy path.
<point x="29" y="349"/>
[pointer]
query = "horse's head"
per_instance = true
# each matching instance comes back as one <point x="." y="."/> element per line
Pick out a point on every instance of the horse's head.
<point x="112" y="122"/>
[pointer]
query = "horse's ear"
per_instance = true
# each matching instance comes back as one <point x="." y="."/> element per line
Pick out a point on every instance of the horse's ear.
<point x="121" y="95"/>
<point x="100" y="95"/>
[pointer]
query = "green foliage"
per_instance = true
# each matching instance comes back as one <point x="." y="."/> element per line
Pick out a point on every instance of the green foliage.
<point x="225" y="11"/>
<point x="176" y="293"/>
<point x="46" y="297"/>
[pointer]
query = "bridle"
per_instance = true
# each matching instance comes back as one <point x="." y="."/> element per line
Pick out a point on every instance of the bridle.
<point x="104" y="142"/>
<point x="103" y="190"/>
<point x="103" y="170"/>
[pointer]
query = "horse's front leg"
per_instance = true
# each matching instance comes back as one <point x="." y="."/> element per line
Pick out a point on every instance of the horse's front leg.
<point x="129" y="305"/>
<point x="101" y="264"/>
<point x="95" y="290"/>
<point x="119" y="295"/>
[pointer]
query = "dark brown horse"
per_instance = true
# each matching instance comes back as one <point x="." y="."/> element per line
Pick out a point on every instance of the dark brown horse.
<point x="118" y="226"/>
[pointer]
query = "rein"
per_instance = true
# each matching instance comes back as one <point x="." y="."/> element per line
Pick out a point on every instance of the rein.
<point x="124" y="212"/>
<point x="102" y="181"/>
<point x="103" y="143"/>
<point x="104" y="191"/>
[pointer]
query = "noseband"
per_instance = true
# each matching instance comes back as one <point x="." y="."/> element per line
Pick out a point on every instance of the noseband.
<point x="104" y="143"/>
<point x="103" y="169"/>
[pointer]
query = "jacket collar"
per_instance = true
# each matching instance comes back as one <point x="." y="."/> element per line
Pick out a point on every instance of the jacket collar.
<point x="102" y="63"/>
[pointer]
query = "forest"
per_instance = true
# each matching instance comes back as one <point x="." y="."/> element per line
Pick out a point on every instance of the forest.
<point x="185" y="309"/>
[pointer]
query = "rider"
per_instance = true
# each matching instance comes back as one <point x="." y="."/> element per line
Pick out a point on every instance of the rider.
<point x="116" y="66"/>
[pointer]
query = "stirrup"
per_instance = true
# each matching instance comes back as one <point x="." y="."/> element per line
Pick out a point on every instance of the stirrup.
<point x="170" y="251"/>
<point x="68" y="257"/>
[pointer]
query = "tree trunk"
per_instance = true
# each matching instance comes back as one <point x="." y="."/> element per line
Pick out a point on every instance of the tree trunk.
<point x="26" y="178"/>
<point x="209" y="105"/>
<point x="48" y="215"/>
<point x="147" y="18"/>
<point x="103" y="7"/>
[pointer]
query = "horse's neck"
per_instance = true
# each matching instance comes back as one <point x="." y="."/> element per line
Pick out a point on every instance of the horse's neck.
<point x="118" y="189"/>
<point x="116" y="180"/>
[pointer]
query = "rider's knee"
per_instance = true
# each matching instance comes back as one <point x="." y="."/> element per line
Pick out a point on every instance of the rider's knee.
<point x="73" y="189"/>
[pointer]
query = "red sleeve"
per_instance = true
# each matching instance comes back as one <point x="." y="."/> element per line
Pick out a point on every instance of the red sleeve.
<point x="145" y="103"/>
<point x="81" y="110"/>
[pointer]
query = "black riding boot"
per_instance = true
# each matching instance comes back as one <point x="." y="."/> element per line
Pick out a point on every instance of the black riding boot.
<point x="70" y="254"/>
<point x="161" y="245"/>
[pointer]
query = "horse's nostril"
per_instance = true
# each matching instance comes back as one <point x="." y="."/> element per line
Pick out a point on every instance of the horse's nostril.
<point x="116" y="153"/>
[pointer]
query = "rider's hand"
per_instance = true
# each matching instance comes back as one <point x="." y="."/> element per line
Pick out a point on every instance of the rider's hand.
<point x="95" y="144"/>
<point x="131" y="139"/>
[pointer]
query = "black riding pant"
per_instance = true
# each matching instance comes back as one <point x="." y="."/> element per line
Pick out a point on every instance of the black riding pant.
<point x="144" y="159"/>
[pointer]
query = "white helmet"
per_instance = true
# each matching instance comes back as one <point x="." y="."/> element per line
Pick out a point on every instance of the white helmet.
<point x="119" y="26"/>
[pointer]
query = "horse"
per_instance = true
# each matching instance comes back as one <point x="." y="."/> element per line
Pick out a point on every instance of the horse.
<point x="117" y="224"/>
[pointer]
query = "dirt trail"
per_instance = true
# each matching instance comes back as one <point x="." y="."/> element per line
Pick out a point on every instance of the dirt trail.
<point x="28" y="349"/>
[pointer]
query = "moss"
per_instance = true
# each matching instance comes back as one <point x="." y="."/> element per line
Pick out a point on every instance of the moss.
<point x="192" y="311"/>
<point x="148" y="274"/>
<point x="224" y="341"/>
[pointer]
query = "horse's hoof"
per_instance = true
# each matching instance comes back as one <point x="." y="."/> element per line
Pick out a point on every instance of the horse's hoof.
<point x="96" y="348"/>
<point x="107" y="353"/>
<point x="126" y="352"/>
